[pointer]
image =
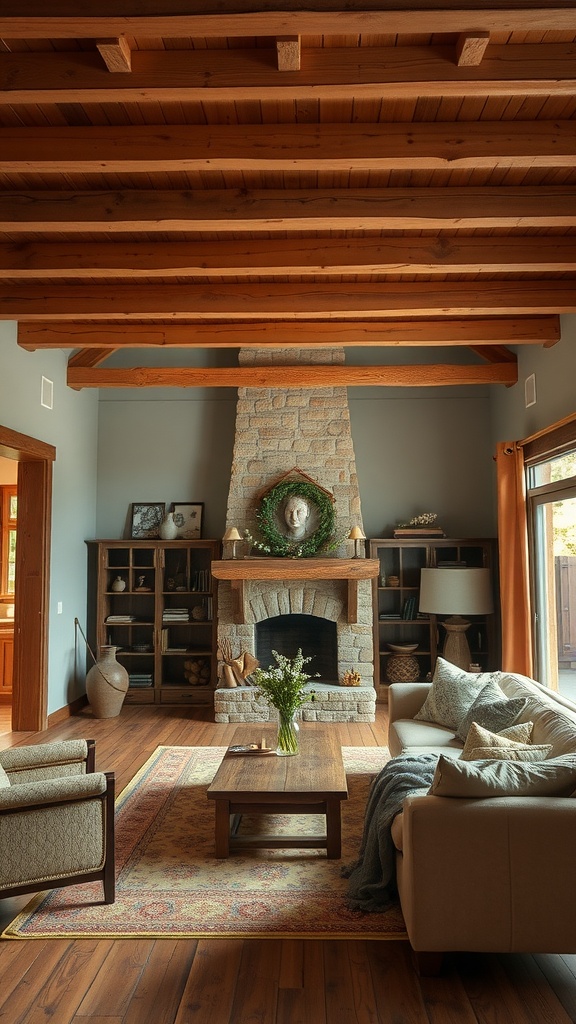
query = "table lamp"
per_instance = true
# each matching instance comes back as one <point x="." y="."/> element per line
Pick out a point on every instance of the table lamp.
<point x="456" y="592"/>
<point x="232" y="535"/>
<point x="356" y="535"/>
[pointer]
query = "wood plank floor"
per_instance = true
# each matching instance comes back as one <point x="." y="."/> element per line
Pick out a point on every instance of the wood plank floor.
<point x="233" y="981"/>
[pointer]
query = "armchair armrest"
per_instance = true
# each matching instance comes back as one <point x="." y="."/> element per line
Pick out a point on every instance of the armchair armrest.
<point x="48" y="760"/>
<point x="405" y="699"/>
<point x="489" y="875"/>
<point x="52" y="791"/>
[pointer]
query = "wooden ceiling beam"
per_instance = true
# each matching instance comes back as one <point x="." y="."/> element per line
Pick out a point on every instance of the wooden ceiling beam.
<point x="339" y="73"/>
<point x="544" y="330"/>
<point x="289" y="51"/>
<point x="317" y="147"/>
<point x="470" y="48"/>
<point x="253" y="302"/>
<point x="116" y="54"/>
<point x="232" y="210"/>
<point x="494" y="353"/>
<point x="429" y="375"/>
<point x="100" y="18"/>
<point x="89" y="357"/>
<point x="289" y="257"/>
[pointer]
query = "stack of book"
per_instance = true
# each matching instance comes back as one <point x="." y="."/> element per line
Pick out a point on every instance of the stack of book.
<point x="176" y="615"/>
<point x="419" y="531"/>
<point x="140" y="679"/>
<point x="120" y="618"/>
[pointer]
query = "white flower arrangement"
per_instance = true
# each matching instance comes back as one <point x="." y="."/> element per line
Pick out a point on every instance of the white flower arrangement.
<point x="424" y="519"/>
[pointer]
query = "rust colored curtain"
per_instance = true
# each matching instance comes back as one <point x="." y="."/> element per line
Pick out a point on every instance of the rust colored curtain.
<point x="515" y="601"/>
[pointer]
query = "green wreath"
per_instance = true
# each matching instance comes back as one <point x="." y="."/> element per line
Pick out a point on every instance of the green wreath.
<point x="274" y="542"/>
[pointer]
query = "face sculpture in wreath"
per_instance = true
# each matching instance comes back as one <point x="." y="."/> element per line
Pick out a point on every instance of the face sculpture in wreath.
<point x="296" y="514"/>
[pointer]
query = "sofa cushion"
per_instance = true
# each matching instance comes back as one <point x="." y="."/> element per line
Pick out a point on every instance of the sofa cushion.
<point x="492" y="710"/>
<point x="4" y="780"/>
<point x="473" y="779"/>
<point x="425" y="735"/>
<point x="516" y="735"/>
<point x="551" y="726"/>
<point x="514" y="752"/>
<point x="451" y="694"/>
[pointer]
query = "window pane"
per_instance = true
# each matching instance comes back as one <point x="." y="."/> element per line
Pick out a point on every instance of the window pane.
<point x="11" y="561"/>
<point x="555" y="593"/>
<point x="561" y="468"/>
<point x="13" y="507"/>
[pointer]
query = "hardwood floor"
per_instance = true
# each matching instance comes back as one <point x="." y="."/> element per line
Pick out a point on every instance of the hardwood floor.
<point x="234" y="981"/>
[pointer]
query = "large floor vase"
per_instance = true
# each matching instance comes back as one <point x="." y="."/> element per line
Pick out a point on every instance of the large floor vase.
<point x="287" y="738"/>
<point x="106" y="684"/>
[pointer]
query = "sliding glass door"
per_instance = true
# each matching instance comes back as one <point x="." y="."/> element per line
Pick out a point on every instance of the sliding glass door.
<point x="552" y="522"/>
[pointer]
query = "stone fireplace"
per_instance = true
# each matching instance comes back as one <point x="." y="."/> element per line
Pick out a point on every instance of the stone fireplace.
<point x="268" y="603"/>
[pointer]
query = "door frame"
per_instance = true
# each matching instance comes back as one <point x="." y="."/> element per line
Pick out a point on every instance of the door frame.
<point x="30" y="680"/>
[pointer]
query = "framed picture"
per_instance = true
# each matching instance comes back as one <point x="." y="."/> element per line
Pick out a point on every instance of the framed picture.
<point x="188" y="519"/>
<point x="146" y="519"/>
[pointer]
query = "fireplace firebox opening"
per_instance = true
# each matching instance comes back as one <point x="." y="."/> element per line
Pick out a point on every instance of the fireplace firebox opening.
<point x="314" y="636"/>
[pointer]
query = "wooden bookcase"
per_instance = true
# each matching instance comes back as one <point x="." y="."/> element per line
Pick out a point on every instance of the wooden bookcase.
<point x="164" y="620"/>
<point x="404" y="559"/>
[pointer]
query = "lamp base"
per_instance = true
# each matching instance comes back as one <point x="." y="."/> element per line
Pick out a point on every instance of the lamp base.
<point x="456" y="648"/>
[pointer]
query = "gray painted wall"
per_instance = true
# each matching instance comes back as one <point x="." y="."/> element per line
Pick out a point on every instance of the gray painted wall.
<point x="71" y="426"/>
<point x="416" y="450"/>
<point x="555" y="372"/>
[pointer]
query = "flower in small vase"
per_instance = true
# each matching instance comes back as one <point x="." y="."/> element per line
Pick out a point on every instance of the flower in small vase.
<point x="283" y="687"/>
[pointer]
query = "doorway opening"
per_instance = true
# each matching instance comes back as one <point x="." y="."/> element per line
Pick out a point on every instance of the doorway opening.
<point x="34" y="460"/>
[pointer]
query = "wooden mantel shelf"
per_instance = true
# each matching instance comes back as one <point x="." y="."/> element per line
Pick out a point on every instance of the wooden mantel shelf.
<point x="238" y="571"/>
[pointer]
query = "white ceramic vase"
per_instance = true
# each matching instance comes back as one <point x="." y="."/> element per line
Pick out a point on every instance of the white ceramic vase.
<point x="168" y="529"/>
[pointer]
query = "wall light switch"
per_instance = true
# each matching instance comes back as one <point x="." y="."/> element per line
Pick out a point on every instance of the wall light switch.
<point x="47" y="393"/>
<point x="59" y="608"/>
<point x="530" y="390"/>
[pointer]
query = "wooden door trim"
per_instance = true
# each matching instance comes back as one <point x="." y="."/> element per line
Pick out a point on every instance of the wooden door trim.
<point x="30" y="682"/>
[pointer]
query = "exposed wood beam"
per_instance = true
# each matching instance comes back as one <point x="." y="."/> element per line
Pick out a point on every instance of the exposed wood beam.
<point x="471" y="48"/>
<point x="200" y="303"/>
<point x="289" y="53"/>
<point x="321" y="147"/>
<point x="89" y="357"/>
<point x="494" y="353"/>
<point x="116" y="54"/>
<point x="97" y="19"/>
<point x="544" y="330"/>
<point x="235" y="210"/>
<point x="326" y="73"/>
<point x="288" y="257"/>
<point x="292" y="376"/>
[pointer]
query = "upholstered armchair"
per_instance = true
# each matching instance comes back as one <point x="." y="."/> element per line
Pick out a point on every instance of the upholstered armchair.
<point x="56" y="819"/>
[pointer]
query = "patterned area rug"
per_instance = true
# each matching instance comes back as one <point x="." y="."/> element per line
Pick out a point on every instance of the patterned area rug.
<point x="170" y="884"/>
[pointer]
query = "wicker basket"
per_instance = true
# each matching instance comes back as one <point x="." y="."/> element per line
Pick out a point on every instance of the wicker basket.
<point x="402" y="668"/>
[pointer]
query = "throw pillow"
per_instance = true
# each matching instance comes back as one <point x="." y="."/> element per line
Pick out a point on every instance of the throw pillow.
<point x="517" y="752"/>
<point x="451" y="694"/>
<point x="4" y="780"/>
<point x="475" y="779"/>
<point x="516" y="735"/>
<point x="492" y="710"/>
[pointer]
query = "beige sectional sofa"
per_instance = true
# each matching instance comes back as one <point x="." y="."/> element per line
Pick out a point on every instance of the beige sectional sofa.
<point x="488" y="872"/>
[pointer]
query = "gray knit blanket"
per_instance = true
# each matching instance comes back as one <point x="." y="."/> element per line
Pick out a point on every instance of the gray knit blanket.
<point x="372" y="877"/>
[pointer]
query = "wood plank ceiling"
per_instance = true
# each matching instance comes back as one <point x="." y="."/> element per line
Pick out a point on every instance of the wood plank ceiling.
<point x="374" y="173"/>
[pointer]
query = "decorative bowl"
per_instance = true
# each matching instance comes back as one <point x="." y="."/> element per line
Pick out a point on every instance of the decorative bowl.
<point x="403" y="648"/>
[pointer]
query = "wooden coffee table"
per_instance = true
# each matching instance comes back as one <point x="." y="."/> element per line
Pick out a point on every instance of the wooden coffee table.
<point x="311" y="782"/>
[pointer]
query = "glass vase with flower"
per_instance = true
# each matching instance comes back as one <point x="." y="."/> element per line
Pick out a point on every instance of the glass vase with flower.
<point x="283" y="686"/>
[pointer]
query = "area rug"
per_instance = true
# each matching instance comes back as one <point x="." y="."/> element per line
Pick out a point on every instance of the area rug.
<point x="169" y="883"/>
